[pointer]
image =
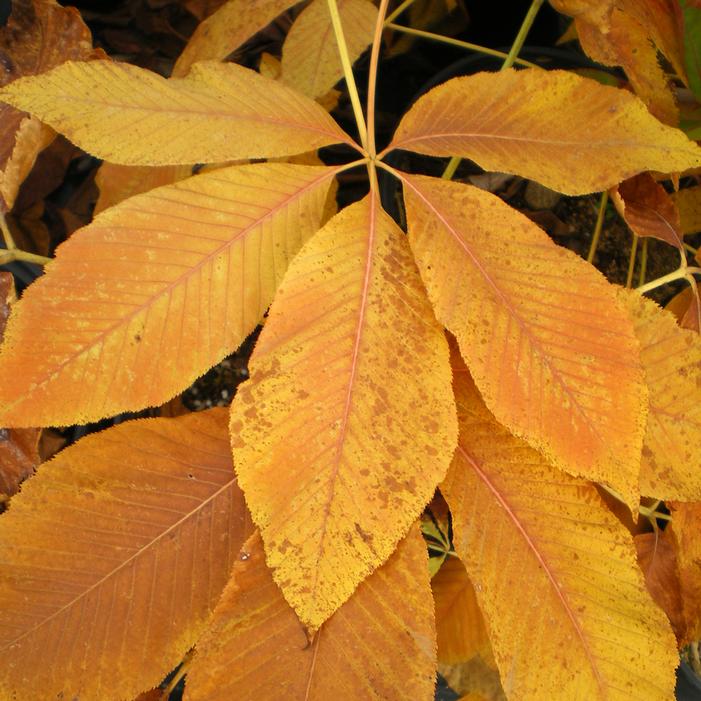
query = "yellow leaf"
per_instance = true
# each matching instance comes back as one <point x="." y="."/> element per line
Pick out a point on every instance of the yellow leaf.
<point x="459" y="624"/>
<point x="688" y="201"/>
<point x="379" y="645"/>
<point x="549" y="346"/>
<point x="310" y="59"/>
<point x="219" y="112"/>
<point x="227" y="28"/>
<point x="557" y="121"/>
<point x="554" y="571"/>
<point x="114" y="556"/>
<point x="347" y="423"/>
<point x="671" y="358"/>
<point x="188" y="268"/>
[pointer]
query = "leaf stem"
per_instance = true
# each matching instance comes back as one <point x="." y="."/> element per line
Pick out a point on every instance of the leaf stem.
<point x="598" y="226"/>
<point x="372" y="79"/>
<point x="631" y="262"/>
<point x="348" y="73"/>
<point x="456" y="42"/>
<point x="508" y="62"/>
<point x="643" y="263"/>
<point x="398" y="11"/>
<point x="6" y="235"/>
<point x="182" y="671"/>
<point x="12" y="253"/>
<point x="681" y="272"/>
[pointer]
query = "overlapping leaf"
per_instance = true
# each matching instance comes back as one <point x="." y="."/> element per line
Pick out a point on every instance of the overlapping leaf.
<point x="550" y="348"/>
<point x="544" y="125"/>
<point x="219" y="112"/>
<point x="671" y="357"/>
<point x="688" y="202"/>
<point x="114" y="556"/>
<point x="310" y="59"/>
<point x="347" y="423"/>
<point x="379" y="645"/>
<point x="187" y="269"/>
<point x="227" y="28"/>
<point x="554" y="572"/>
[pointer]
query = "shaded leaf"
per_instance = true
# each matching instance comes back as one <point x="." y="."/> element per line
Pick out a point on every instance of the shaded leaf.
<point x="671" y="358"/>
<point x="478" y="676"/>
<point x="691" y="19"/>
<point x="545" y="338"/>
<point x="686" y="306"/>
<point x="379" y="645"/>
<point x="227" y="28"/>
<point x="649" y="210"/>
<point x="219" y="112"/>
<point x="114" y="556"/>
<point x="688" y="202"/>
<point x="556" y="121"/>
<point x="459" y="624"/>
<point x="351" y="377"/>
<point x="310" y="59"/>
<point x="198" y="259"/>
<point x="585" y="615"/>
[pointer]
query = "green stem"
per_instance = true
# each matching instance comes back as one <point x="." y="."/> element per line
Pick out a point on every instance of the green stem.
<point x="348" y="73"/>
<point x="391" y="17"/>
<point x="508" y="62"/>
<point x="670" y="277"/>
<point x="598" y="226"/>
<point x="6" y="235"/>
<point x="631" y="262"/>
<point x="30" y="257"/>
<point x="643" y="263"/>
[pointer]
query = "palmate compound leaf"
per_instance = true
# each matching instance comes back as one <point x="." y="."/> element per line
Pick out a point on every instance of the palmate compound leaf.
<point x="311" y="62"/>
<point x="671" y="358"/>
<point x="186" y="270"/>
<point x="114" y="556"/>
<point x="347" y="423"/>
<point x="569" y="133"/>
<point x="555" y="572"/>
<point x="219" y="112"/>
<point x="550" y="347"/>
<point x="379" y="645"/>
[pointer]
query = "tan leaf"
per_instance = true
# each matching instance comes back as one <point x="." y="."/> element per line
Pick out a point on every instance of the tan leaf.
<point x="39" y="35"/>
<point x="686" y="306"/>
<point x="219" y="112"/>
<point x="649" y="210"/>
<point x="657" y="557"/>
<point x="347" y="423"/>
<point x="595" y="11"/>
<point x="198" y="259"/>
<point x="311" y="62"/>
<point x="478" y="676"/>
<point x="459" y="624"/>
<point x="688" y="202"/>
<point x="114" y="556"/>
<point x="555" y="573"/>
<point x="550" y="347"/>
<point x="379" y="645"/>
<point x="225" y="30"/>
<point x="671" y="358"/>
<point x="556" y="122"/>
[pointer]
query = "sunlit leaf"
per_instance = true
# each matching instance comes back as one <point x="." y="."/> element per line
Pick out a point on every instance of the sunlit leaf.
<point x="219" y="112"/>
<point x="379" y="645"/>
<point x="227" y="28"/>
<point x="347" y="423"/>
<point x="596" y="11"/>
<point x="200" y="259"/>
<point x="114" y="556"/>
<point x="311" y="62"/>
<point x="545" y="338"/>
<point x="557" y="122"/>
<point x="554" y="572"/>
<point x="671" y="358"/>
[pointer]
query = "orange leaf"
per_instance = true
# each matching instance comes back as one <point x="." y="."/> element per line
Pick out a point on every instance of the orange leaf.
<point x="545" y="338"/>
<point x="198" y="259"/>
<point x="649" y="210"/>
<point x="379" y="645"/>
<point x="311" y="62"/>
<point x="557" y="121"/>
<point x="114" y="556"/>
<point x="227" y="28"/>
<point x="219" y="112"/>
<point x="686" y="306"/>
<point x="459" y="623"/>
<point x="596" y="11"/>
<point x="347" y="423"/>
<point x="671" y="358"/>
<point x="554" y="572"/>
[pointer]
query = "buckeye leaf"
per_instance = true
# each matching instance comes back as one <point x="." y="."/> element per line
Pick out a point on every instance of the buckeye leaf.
<point x="113" y="558"/>
<point x="550" y="347"/>
<point x="379" y="645"/>
<point x="555" y="573"/>
<point x="131" y="116"/>
<point x="347" y="423"/>
<point x="567" y="132"/>
<point x="186" y="269"/>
